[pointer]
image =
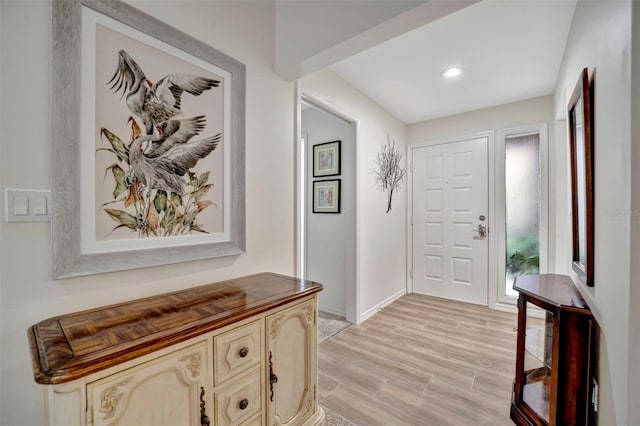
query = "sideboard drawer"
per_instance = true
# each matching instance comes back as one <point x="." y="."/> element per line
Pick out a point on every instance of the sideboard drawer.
<point x="239" y="401"/>
<point x="236" y="351"/>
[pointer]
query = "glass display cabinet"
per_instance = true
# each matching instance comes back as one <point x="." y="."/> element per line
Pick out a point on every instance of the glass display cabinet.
<point x="554" y="353"/>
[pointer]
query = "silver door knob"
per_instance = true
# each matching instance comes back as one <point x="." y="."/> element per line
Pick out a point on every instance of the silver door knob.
<point x="481" y="231"/>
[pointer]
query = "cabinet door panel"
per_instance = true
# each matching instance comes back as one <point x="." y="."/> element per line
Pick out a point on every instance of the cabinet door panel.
<point x="291" y="357"/>
<point x="166" y="391"/>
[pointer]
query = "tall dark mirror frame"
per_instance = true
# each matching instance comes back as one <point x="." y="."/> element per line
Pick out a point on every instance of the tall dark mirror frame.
<point x="580" y="141"/>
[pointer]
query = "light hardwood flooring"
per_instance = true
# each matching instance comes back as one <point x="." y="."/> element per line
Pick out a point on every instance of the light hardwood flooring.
<point x="421" y="361"/>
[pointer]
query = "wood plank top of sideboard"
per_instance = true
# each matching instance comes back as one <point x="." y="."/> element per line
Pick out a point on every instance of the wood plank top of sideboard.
<point x="72" y="346"/>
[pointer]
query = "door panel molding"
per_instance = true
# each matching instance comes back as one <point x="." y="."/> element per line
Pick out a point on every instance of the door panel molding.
<point x="491" y="222"/>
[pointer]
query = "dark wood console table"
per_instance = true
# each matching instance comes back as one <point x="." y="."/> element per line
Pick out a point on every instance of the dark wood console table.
<point x="554" y="353"/>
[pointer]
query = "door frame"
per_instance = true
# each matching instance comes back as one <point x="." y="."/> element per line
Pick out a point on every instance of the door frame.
<point x="352" y="305"/>
<point x="491" y="255"/>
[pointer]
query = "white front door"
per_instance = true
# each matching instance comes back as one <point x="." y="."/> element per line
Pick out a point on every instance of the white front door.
<point x="450" y="208"/>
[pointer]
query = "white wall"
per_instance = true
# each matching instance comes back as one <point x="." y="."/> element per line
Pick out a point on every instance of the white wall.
<point x="530" y="111"/>
<point x="600" y="39"/>
<point x="328" y="234"/>
<point x="634" y="295"/>
<point x="482" y="120"/>
<point x="381" y="239"/>
<point x="27" y="292"/>
<point x="1" y="204"/>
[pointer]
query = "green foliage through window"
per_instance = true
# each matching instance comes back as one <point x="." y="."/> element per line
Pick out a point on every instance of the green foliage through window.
<point x="523" y="256"/>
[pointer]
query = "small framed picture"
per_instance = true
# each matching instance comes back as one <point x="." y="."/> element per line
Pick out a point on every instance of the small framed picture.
<point x="326" y="159"/>
<point x="326" y="196"/>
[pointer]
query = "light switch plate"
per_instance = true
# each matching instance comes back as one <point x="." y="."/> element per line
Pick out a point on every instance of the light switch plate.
<point x="20" y="204"/>
<point x="27" y="205"/>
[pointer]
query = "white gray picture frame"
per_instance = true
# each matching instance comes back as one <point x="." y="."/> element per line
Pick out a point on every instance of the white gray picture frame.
<point x="68" y="258"/>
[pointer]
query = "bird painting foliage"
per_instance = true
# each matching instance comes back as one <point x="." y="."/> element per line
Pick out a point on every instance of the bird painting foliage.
<point x="167" y="214"/>
<point x="156" y="193"/>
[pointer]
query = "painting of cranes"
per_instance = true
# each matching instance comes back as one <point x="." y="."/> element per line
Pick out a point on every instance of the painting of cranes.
<point x="148" y="142"/>
<point x="159" y="121"/>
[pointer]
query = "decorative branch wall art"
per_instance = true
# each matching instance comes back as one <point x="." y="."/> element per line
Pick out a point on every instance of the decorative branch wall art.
<point x="389" y="172"/>
<point x="155" y="121"/>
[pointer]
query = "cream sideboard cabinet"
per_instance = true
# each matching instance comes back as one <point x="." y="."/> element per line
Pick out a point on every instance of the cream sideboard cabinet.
<point x="240" y="352"/>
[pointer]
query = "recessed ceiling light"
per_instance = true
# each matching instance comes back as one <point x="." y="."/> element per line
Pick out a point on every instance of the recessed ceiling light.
<point x="452" y="72"/>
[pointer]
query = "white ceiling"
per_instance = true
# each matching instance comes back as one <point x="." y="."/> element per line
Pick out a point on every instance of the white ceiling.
<point x="510" y="50"/>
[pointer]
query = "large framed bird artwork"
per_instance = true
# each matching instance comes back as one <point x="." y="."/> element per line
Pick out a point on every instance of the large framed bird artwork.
<point x="147" y="142"/>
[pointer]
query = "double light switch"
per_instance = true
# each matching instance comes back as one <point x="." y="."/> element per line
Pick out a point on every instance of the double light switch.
<point x="26" y="205"/>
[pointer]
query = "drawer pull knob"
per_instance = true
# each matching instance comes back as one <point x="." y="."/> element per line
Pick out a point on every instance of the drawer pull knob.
<point x="244" y="404"/>
<point x="244" y="352"/>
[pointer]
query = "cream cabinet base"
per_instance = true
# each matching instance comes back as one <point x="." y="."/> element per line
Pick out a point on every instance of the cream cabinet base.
<point x="317" y="418"/>
<point x="259" y="370"/>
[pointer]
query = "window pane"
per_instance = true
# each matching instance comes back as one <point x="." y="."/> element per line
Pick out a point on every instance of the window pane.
<point x="522" y="177"/>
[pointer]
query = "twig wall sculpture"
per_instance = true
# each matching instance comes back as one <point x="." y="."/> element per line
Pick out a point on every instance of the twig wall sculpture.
<point x="389" y="172"/>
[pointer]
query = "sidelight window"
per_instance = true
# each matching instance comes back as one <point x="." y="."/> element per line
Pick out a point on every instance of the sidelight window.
<point x="522" y="207"/>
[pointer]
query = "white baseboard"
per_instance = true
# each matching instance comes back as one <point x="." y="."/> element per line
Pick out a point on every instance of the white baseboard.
<point x="506" y="307"/>
<point x="532" y="310"/>
<point x="371" y="312"/>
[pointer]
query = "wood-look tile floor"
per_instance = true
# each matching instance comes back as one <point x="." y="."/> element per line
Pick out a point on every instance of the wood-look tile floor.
<point x="421" y="361"/>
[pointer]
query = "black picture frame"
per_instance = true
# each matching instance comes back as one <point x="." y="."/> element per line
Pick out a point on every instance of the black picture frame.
<point x="327" y="159"/>
<point x="326" y="196"/>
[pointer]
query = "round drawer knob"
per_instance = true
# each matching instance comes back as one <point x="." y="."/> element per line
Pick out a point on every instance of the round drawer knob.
<point x="244" y="404"/>
<point x="244" y="352"/>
